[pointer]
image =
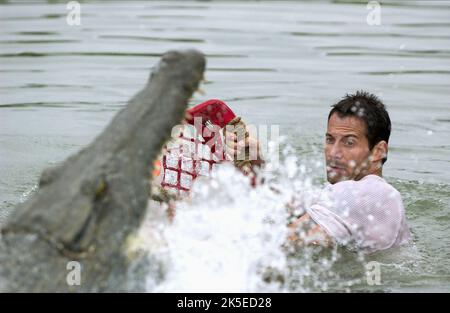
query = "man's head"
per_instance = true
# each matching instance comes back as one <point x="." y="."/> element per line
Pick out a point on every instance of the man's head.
<point x="357" y="137"/>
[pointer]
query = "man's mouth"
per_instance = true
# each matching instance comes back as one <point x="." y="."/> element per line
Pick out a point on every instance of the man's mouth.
<point x="336" y="168"/>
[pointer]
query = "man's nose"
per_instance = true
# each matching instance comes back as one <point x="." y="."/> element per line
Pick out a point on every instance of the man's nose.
<point x="336" y="152"/>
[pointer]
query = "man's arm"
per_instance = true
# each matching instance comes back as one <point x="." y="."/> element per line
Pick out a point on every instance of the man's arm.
<point x="304" y="231"/>
<point x="242" y="147"/>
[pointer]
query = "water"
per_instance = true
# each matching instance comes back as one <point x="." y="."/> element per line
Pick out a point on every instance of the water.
<point x="279" y="63"/>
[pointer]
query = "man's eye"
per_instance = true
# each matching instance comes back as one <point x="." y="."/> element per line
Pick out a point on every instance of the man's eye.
<point x="350" y="142"/>
<point x="329" y="140"/>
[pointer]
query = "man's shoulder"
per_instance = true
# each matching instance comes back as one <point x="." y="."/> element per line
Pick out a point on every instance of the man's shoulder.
<point x="370" y="187"/>
<point x="378" y="185"/>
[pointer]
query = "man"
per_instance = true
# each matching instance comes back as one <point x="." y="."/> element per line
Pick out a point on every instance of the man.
<point x="358" y="208"/>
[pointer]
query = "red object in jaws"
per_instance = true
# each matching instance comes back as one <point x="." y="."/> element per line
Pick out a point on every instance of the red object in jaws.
<point x="198" y="148"/>
<point x="215" y="111"/>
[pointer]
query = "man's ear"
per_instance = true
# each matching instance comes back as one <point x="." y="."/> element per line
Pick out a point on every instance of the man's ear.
<point x="379" y="151"/>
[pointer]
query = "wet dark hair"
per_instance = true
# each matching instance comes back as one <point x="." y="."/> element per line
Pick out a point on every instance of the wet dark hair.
<point x="371" y="110"/>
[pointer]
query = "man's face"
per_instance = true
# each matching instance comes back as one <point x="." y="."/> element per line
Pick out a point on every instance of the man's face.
<point x="346" y="149"/>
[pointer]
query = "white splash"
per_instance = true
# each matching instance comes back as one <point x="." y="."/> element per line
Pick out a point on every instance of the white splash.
<point x="230" y="237"/>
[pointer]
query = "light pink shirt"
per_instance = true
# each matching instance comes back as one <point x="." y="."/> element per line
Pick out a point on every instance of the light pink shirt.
<point x="367" y="214"/>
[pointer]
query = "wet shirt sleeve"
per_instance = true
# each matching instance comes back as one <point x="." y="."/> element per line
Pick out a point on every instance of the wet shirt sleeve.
<point x="362" y="214"/>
